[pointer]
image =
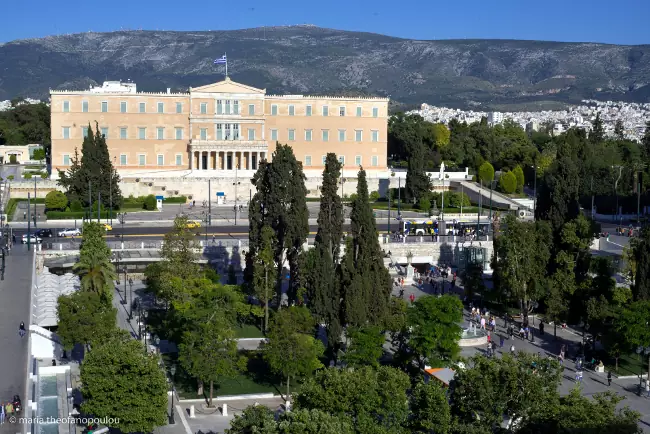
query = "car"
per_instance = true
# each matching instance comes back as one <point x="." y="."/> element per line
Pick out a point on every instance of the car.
<point x="44" y="233"/>
<point x="192" y="225"/>
<point x="69" y="233"/>
<point x="33" y="239"/>
<point x="107" y="227"/>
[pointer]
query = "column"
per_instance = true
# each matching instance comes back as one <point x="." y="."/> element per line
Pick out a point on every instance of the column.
<point x="248" y="160"/>
<point x="191" y="158"/>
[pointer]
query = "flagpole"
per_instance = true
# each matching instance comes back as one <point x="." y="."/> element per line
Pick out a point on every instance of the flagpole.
<point x="226" y="56"/>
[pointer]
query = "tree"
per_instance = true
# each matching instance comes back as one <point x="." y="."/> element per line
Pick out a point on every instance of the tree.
<point x="209" y="352"/>
<point x="508" y="182"/>
<point x="92" y="174"/>
<point x="13" y="159"/>
<point x="291" y="350"/>
<point x="263" y="269"/>
<point x="597" y="133"/>
<point x="123" y="384"/>
<point x="365" y="282"/>
<point x="642" y="264"/>
<point x="370" y="400"/>
<point x="94" y="268"/>
<point x="645" y="141"/>
<point x="150" y="203"/>
<point x="619" y="131"/>
<point x="261" y="420"/>
<point x="425" y="204"/>
<point x="323" y="289"/>
<point x="558" y="194"/>
<point x="430" y="412"/>
<point x="435" y="330"/>
<point x="256" y="419"/>
<point x="39" y="154"/>
<point x="366" y="346"/>
<point x="522" y="253"/>
<point x="55" y="200"/>
<point x="25" y="123"/>
<point x="561" y="288"/>
<point x="85" y="319"/>
<point x="486" y="172"/>
<point x="440" y="134"/>
<point x="519" y="175"/>
<point x="522" y="388"/>
<point x="632" y="325"/>
<point x="280" y="203"/>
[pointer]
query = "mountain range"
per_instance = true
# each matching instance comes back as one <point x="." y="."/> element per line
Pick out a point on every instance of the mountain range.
<point x="305" y="59"/>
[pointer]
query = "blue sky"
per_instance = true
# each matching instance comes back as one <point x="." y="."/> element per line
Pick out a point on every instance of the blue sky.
<point x="618" y="22"/>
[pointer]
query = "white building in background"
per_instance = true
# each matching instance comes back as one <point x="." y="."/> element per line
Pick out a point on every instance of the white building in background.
<point x="495" y="118"/>
<point x="115" y="87"/>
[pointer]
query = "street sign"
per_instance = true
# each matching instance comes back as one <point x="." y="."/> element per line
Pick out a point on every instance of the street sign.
<point x="220" y="193"/>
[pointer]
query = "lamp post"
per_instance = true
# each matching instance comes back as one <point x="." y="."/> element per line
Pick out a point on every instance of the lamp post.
<point x="110" y="189"/>
<point x="490" y="218"/>
<point x="205" y="220"/>
<point x="342" y="181"/>
<point x="235" y="184"/>
<point x="172" y="371"/>
<point x="131" y="299"/>
<point x="535" y="192"/>
<point x="620" y="172"/>
<point x="35" y="202"/>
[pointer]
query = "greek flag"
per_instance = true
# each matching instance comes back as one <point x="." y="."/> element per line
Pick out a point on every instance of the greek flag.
<point x="221" y="61"/>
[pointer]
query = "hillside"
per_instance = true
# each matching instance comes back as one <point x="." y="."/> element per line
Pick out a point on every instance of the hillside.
<point x="313" y="60"/>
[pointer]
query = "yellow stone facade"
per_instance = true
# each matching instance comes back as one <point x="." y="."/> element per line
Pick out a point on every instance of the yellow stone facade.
<point x="220" y="126"/>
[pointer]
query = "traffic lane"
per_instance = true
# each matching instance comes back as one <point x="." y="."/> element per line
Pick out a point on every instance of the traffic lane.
<point x="158" y="231"/>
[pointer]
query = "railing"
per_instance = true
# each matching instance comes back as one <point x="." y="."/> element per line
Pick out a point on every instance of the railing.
<point x="449" y="239"/>
<point x="209" y="246"/>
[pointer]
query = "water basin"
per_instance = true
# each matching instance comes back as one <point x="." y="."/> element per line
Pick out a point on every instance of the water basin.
<point x="48" y="407"/>
<point x="47" y="385"/>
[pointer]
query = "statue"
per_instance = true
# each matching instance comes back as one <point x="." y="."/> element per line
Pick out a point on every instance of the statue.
<point x="441" y="176"/>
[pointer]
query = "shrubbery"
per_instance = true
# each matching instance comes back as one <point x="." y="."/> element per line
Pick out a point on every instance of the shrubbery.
<point x="150" y="203"/>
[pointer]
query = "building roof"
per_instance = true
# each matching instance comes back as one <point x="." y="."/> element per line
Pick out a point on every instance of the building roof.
<point x="444" y="375"/>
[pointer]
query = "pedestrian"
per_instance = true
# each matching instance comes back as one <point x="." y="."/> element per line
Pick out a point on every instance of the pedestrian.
<point x="647" y="388"/>
<point x="609" y="378"/>
<point x="511" y="330"/>
<point x="482" y="323"/>
<point x="512" y="349"/>
<point x="526" y="331"/>
<point x="10" y="409"/>
<point x="541" y="328"/>
<point x="2" y="413"/>
<point x="412" y="298"/>
<point x="501" y="340"/>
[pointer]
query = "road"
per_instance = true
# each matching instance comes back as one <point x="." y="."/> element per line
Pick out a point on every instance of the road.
<point x="14" y="308"/>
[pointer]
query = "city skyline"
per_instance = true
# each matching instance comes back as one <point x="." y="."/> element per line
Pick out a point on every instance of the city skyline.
<point x="578" y="21"/>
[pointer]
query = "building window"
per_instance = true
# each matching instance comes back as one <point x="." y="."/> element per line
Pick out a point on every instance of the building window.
<point x="84" y="106"/>
<point x="179" y="159"/>
<point x="179" y="133"/>
<point x="104" y="106"/>
<point x="204" y="133"/>
<point x="274" y="110"/>
<point x="292" y="135"/>
<point x="84" y="132"/>
<point x="123" y="133"/>
<point x="292" y="110"/>
<point x="204" y="108"/>
<point x="123" y="159"/>
<point x="160" y="133"/>
<point x="219" y="131"/>
<point x="341" y="135"/>
<point x="66" y="132"/>
<point x="357" y="160"/>
<point x="326" y="135"/>
<point x="274" y="134"/>
<point x="104" y="131"/>
<point x="235" y="131"/>
<point x="375" y="161"/>
<point x="375" y="135"/>
<point x="122" y="106"/>
<point x="66" y="160"/>
<point x="251" y="109"/>
<point x="161" y="107"/>
<point x="179" y="107"/>
<point x="227" y="106"/>
<point x="142" y="159"/>
<point x="219" y="107"/>
<point x="342" y="160"/>
<point x="307" y="160"/>
<point x="359" y="111"/>
<point x="251" y="134"/>
<point x="357" y="135"/>
<point x="66" y="106"/>
<point x="308" y="111"/>
<point x="161" y="160"/>
<point x="142" y="107"/>
<point x="326" y="110"/>
<point x="307" y="135"/>
<point x="375" y="112"/>
<point x="324" y="160"/>
<point x="341" y="111"/>
<point x="142" y="133"/>
<point x="227" y="133"/>
<point x="235" y="107"/>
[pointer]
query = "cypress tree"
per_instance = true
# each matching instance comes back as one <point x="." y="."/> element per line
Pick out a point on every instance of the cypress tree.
<point x="642" y="255"/>
<point x="108" y="179"/>
<point x="597" y="133"/>
<point x="280" y="203"/>
<point x="322" y="261"/>
<point x="365" y="280"/>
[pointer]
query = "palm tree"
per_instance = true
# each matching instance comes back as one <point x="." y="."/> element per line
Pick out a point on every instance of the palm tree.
<point x="96" y="272"/>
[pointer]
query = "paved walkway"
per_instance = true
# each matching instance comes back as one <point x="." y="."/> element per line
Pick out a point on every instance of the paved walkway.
<point x="15" y="299"/>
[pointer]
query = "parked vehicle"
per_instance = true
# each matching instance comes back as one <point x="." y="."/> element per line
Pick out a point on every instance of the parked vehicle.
<point x="69" y="233"/>
<point x="32" y="239"/>
<point x="44" y="233"/>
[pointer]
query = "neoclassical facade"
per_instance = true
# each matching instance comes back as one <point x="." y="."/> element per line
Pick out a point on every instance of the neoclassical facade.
<point x="218" y="127"/>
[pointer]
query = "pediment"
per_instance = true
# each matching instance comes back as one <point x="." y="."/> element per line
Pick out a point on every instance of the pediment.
<point x="227" y="86"/>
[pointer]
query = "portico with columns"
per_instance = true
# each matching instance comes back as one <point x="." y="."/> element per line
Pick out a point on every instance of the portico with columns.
<point x="217" y="156"/>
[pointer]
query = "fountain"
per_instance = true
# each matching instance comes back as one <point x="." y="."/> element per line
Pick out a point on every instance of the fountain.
<point x="473" y="336"/>
<point x="48" y="405"/>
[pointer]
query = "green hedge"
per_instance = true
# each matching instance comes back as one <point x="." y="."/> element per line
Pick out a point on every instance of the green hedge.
<point x="71" y="215"/>
<point x="135" y="202"/>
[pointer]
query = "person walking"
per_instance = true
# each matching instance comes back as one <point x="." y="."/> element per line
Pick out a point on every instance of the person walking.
<point x="501" y="340"/>
<point x="512" y="349"/>
<point x="647" y="389"/>
<point x="2" y="413"/>
<point x="482" y="323"/>
<point x="541" y="328"/>
<point x="609" y="378"/>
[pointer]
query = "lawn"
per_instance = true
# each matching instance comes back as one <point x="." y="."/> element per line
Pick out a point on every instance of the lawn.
<point x="248" y="331"/>
<point x="629" y="364"/>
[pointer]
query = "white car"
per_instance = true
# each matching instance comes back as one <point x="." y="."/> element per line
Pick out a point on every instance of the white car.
<point x="33" y="239"/>
<point x="69" y="233"/>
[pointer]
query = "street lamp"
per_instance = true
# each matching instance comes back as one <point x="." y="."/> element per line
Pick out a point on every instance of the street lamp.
<point x="535" y="192"/>
<point x="172" y="371"/>
<point x="620" y="172"/>
<point x="131" y="298"/>
<point x="235" y="184"/>
<point x="205" y="215"/>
